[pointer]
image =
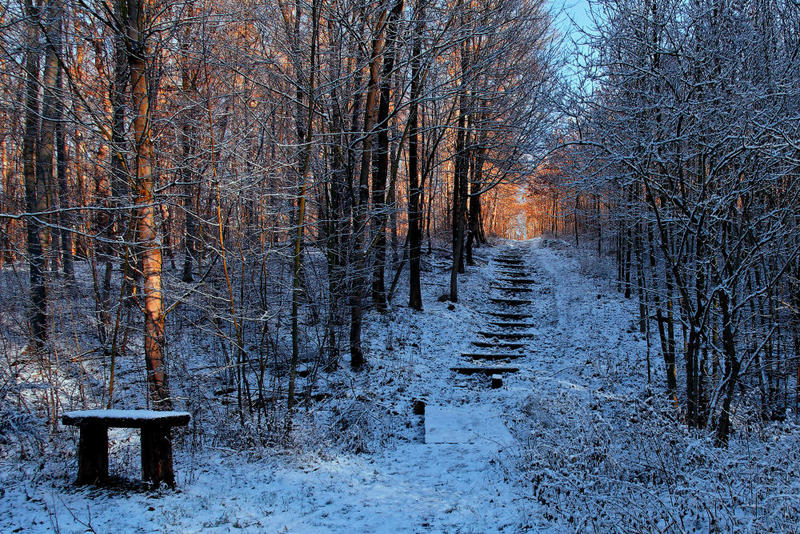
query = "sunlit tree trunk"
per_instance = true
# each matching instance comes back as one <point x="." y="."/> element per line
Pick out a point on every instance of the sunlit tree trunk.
<point x="144" y="185"/>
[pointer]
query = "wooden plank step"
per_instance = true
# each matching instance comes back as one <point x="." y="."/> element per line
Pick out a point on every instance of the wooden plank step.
<point x="512" y="325"/>
<point x="510" y="302"/>
<point x="487" y="370"/>
<point x="505" y="315"/>
<point x="480" y="356"/>
<point x="513" y="263"/>
<point x="517" y="280"/>
<point x="517" y="274"/>
<point x="468" y="423"/>
<point x="506" y="335"/>
<point x="498" y="345"/>
<point x="512" y="289"/>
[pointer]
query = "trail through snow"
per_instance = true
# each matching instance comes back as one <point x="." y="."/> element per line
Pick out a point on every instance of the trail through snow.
<point x="403" y="484"/>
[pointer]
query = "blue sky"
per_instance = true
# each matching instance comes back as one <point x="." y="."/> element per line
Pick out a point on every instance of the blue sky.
<point x="577" y="10"/>
<point x="571" y="16"/>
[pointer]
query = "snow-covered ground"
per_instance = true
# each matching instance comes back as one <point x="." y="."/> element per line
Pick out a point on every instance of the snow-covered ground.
<point x="593" y="447"/>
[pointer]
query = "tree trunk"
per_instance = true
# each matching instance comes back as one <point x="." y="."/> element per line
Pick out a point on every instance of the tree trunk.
<point x="414" y="190"/>
<point x="304" y="168"/>
<point x="64" y="219"/>
<point x="6" y="203"/>
<point x="190" y="180"/>
<point x="460" y="179"/>
<point x="50" y="16"/>
<point x="381" y="161"/>
<point x="362" y="208"/>
<point x="732" y="367"/>
<point x="34" y="190"/>
<point x="474" y="235"/>
<point x="144" y="185"/>
<point x="661" y="319"/>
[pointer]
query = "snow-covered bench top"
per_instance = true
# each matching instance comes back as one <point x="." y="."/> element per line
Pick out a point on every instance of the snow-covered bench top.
<point x="125" y="418"/>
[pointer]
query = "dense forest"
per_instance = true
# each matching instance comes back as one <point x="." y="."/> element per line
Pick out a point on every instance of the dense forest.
<point x="160" y="151"/>
<point x="688" y="136"/>
<point x="164" y="156"/>
<point x="210" y="205"/>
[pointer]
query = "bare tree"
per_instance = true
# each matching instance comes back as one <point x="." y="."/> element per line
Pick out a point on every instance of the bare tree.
<point x="137" y="28"/>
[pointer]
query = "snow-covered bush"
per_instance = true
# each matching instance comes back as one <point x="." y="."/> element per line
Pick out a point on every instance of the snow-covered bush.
<point x="650" y="474"/>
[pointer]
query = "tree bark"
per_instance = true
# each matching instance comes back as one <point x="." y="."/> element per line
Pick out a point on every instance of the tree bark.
<point x="474" y="234"/>
<point x="144" y="185"/>
<point x="414" y="189"/>
<point x="50" y="17"/>
<point x="189" y="178"/>
<point x="460" y="177"/>
<point x="64" y="219"/>
<point x="381" y="161"/>
<point x="34" y="189"/>
<point x="360" y="221"/>
<point x="304" y="168"/>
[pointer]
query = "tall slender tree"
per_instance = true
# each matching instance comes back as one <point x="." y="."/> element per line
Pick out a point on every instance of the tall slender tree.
<point x="139" y="55"/>
<point x="35" y="191"/>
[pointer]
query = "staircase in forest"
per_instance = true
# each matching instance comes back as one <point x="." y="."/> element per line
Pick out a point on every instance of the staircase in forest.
<point x="505" y="341"/>
<point x="501" y="343"/>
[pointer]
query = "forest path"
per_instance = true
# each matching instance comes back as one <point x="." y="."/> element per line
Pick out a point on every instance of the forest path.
<point x="454" y="477"/>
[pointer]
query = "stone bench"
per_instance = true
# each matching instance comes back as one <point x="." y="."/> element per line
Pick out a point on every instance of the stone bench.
<point x="156" y="442"/>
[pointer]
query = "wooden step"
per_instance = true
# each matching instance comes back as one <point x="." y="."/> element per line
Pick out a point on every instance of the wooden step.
<point x="510" y="262"/>
<point x="513" y="316"/>
<point x="493" y="370"/>
<point x="517" y="274"/>
<point x="498" y="345"/>
<point x="481" y="356"/>
<point x="512" y="289"/>
<point x="510" y="302"/>
<point x="517" y="280"/>
<point x="474" y="423"/>
<point x="506" y="335"/>
<point x="512" y="325"/>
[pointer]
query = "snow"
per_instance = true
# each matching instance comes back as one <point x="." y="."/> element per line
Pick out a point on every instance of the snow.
<point x="465" y="424"/>
<point x="134" y="415"/>
<point x="575" y="441"/>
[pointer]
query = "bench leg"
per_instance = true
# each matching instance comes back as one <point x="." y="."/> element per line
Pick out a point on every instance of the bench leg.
<point x="93" y="454"/>
<point x="157" y="456"/>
